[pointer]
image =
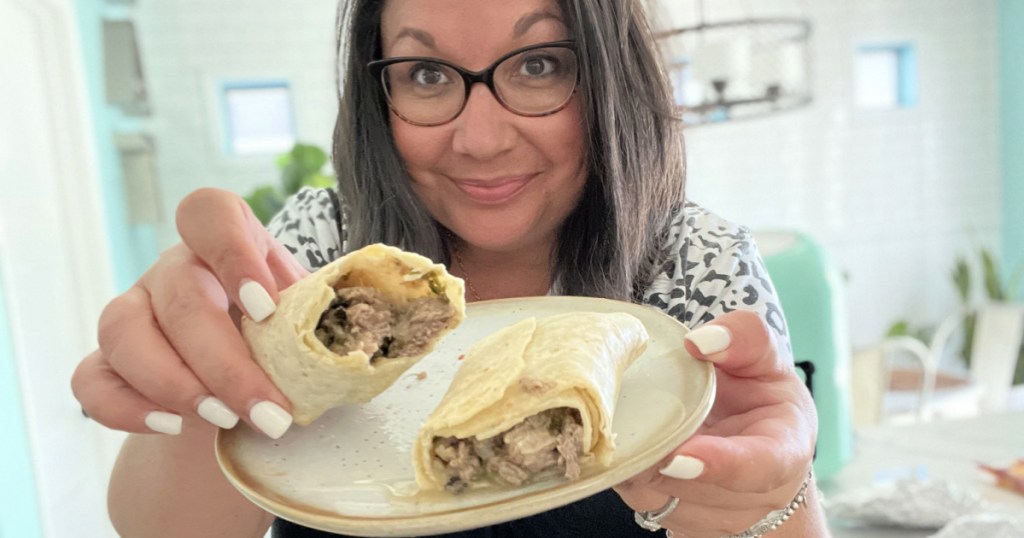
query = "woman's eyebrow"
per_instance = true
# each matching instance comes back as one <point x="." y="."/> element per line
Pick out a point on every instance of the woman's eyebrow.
<point x="418" y="35"/>
<point x="528" y="20"/>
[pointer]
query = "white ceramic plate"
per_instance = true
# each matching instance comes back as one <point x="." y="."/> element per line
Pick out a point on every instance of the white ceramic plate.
<point x="351" y="471"/>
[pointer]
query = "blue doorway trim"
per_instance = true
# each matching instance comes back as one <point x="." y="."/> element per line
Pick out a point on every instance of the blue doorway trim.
<point x="1011" y="47"/>
<point x="19" y="509"/>
<point x="132" y="247"/>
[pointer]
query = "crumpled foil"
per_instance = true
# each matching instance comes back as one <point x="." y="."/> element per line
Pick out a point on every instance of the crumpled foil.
<point x="910" y="503"/>
<point x="983" y="526"/>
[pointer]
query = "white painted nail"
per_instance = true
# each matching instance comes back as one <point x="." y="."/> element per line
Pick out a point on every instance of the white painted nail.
<point x="256" y="300"/>
<point x="163" y="422"/>
<point x="683" y="468"/>
<point x="710" y="339"/>
<point x="270" y="418"/>
<point x="216" y="413"/>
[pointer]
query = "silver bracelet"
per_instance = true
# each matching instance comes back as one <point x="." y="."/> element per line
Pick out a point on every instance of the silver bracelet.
<point x="769" y="523"/>
<point x="776" y="518"/>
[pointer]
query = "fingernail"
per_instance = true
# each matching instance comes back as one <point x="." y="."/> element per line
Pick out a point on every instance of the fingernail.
<point x="256" y="300"/>
<point x="710" y="339"/>
<point x="683" y="468"/>
<point x="270" y="418"/>
<point x="163" y="422"/>
<point x="216" y="413"/>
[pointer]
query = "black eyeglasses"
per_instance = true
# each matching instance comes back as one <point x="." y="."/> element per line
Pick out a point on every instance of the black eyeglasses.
<point x="532" y="81"/>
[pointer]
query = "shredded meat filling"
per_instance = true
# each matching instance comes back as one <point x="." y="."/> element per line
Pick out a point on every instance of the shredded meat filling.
<point x="545" y="442"/>
<point x="359" y="319"/>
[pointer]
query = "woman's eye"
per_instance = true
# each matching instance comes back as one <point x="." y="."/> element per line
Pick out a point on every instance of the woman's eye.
<point x="538" y="66"/>
<point x="428" y="75"/>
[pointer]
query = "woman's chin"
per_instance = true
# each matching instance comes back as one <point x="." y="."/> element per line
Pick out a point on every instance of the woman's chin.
<point x="498" y="238"/>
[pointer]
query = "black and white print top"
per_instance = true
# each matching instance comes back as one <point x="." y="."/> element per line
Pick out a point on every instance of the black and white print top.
<point x="712" y="265"/>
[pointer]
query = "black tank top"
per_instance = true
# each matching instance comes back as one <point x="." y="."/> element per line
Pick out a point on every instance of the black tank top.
<point x="602" y="515"/>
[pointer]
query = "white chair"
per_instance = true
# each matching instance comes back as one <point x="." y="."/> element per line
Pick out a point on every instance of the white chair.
<point x="998" y="331"/>
<point x="872" y="379"/>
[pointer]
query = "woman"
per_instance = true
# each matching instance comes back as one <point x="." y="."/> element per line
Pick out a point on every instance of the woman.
<point x="532" y="146"/>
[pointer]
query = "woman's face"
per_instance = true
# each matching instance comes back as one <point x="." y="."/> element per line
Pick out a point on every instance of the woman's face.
<point x="500" y="181"/>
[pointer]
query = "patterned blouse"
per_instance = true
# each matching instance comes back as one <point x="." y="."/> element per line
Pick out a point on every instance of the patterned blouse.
<point x="712" y="267"/>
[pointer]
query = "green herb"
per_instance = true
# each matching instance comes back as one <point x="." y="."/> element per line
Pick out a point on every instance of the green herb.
<point x="434" y="282"/>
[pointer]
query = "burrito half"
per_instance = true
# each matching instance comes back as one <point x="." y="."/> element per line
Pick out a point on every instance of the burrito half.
<point x="346" y="332"/>
<point x="534" y="399"/>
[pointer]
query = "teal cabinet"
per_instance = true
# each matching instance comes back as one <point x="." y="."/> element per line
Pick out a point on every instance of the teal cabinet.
<point x="812" y="298"/>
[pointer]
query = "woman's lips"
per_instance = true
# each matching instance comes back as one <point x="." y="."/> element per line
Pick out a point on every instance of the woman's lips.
<point x="493" y="191"/>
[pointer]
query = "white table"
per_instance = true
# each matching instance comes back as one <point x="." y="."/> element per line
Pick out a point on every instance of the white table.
<point x="947" y="449"/>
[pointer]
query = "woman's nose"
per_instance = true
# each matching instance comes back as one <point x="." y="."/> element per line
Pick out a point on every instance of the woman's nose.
<point x="483" y="129"/>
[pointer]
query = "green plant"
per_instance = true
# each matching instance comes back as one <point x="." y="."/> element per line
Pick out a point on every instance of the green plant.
<point x="302" y="166"/>
<point x="905" y="328"/>
<point x="995" y="288"/>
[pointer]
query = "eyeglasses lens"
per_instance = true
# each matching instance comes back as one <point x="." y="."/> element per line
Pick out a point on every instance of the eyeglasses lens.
<point x="532" y="83"/>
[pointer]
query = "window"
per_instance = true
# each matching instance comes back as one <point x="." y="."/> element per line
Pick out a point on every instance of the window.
<point x="885" y="77"/>
<point x="259" y="119"/>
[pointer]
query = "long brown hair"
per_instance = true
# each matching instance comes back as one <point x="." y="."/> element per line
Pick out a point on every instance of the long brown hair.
<point x="611" y="244"/>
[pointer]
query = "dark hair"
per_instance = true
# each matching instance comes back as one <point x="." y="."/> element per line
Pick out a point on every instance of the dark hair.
<point x="611" y="244"/>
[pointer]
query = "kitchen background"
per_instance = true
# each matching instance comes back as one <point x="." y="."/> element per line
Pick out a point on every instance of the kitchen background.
<point x="122" y="107"/>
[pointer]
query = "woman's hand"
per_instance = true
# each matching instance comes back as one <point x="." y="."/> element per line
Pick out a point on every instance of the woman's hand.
<point x="753" y="452"/>
<point x="169" y="346"/>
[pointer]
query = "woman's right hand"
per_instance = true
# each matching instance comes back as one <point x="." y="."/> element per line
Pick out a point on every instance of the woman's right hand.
<point x="169" y="347"/>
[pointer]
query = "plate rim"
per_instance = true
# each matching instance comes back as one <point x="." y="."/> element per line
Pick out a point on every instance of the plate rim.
<point x="549" y="498"/>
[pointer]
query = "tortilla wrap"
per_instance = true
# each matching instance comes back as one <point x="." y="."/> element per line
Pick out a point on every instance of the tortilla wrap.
<point x="314" y="378"/>
<point x="574" y="361"/>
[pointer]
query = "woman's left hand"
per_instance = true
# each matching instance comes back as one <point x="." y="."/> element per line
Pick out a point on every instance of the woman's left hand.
<point x="753" y="452"/>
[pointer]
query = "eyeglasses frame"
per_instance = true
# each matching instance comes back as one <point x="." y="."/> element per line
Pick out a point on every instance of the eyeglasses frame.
<point x="469" y="78"/>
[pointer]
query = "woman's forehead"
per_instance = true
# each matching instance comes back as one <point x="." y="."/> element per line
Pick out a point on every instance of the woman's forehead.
<point x="472" y="30"/>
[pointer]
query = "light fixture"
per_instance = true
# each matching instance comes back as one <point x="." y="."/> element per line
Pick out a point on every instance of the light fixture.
<point x="738" y="67"/>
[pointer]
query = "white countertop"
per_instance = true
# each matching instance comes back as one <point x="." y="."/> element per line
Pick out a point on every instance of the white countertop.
<point x="949" y="449"/>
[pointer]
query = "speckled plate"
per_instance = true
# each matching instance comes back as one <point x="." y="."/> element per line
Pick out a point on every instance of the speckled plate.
<point x="351" y="471"/>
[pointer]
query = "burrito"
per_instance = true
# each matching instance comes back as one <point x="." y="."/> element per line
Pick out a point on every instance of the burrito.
<point x="532" y="400"/>
<point x="345" y="333"/>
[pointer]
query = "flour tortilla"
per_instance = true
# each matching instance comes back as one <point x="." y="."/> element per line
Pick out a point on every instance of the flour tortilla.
<point x="573" y="360"/>
<point x="316" y="379"/>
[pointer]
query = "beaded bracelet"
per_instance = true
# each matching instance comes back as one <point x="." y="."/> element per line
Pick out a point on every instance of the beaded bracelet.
<point x="775" y="518"/>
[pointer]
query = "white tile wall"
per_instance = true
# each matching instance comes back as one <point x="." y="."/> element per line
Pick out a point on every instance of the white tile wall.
<point x="893" y="196"/>
<point x="189" y="47"/>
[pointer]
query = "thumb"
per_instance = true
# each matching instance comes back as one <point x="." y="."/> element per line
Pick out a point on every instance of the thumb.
<point x="741" y="344"/>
